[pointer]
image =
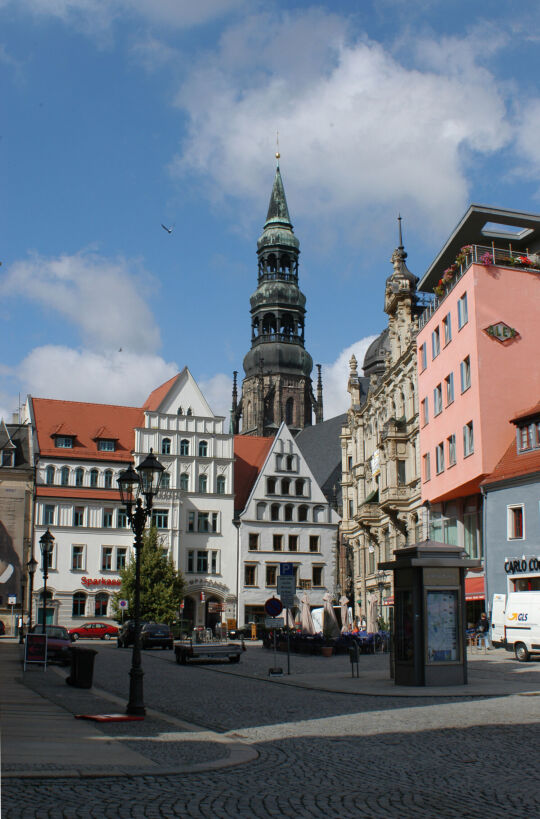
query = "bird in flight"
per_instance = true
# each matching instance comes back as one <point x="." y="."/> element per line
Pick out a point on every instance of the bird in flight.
<point x="169" y="230"/>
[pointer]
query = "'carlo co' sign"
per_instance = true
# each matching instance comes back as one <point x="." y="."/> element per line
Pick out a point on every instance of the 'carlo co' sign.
<point x="519" y="566"/>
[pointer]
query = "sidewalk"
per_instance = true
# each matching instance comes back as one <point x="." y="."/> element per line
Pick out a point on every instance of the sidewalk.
<point x="39" y="734"/>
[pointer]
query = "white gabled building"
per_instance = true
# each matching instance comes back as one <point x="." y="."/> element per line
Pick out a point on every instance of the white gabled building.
<point x="283" y="517"/>
<point x="81" y="449"/>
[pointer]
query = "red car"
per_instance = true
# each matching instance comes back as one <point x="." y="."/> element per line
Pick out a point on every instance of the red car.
<point x="99" y="631"/>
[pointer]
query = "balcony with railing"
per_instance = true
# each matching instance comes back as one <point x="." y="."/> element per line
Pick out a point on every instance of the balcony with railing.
<point x="477" y="254"/>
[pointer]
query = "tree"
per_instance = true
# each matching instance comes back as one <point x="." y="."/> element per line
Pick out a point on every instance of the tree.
<point x="162" y="586"/>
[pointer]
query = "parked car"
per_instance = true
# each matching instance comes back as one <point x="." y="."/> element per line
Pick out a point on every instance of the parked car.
<point x="156" y="635"/>
<point x="59" y="643"/>
<point x="126" y="634"/>
<point x="95" y="631"/>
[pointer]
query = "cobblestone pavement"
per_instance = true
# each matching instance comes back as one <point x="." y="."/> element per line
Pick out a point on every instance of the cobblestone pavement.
<point x="320" y="754"/>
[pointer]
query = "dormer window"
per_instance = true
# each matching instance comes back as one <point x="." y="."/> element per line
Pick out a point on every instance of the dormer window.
<point x="106" y="445"/>
<point x="64" y="442"/>
<point x="528" y="437"/>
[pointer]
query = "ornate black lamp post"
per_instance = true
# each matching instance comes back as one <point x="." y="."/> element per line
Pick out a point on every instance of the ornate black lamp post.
<point x="31" y="566"/>
<point x="381" y="582"/>
<point x="132" y="484"/>
<point x="46" y="543"/>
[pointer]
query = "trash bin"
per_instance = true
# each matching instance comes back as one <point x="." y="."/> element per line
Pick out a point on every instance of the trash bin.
<point x="82" y="667"/>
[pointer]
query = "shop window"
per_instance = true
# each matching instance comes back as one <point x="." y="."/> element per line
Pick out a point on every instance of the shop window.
<point x="79" y="605"/>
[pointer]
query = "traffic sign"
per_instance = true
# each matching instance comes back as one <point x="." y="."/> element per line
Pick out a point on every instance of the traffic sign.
<point x="123" y="604"/>
<point x="273" y="606"/>
<point x="286" y="569"/>
<point x="286" y="587"/>
<point x="274" y="622"/>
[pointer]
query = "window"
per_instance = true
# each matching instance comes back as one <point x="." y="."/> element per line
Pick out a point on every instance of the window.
<point x="285" y="486"/>
<point x="437" y="400"/>
<point x="250" y="575"/>
<point x="277" y="543"/>
<point x="427" y="467"/>
<point x="107" y="478"/>
<point x="270" y="486"/>
<point x="314" y="543"/>
<point x="184" y="481"/>
<point x="190" y="558"/>
<point x="299" y="487"/>
<point x="318" y="514"/>
<point x="160" y="518"/>
<point x="63" y="442"/>
<point x="451" y="448"/>
<point x="472" y="534"/>
<point x="449" y="384"/>
<point x="349" y="463"/>
<point x="465" y="369"/>
<point x="288" y="512"/>
<point x="516" y="523"/>
<point x="401" y="472"/>
<point x="435" y="343"/>
<point x="106" y="445"/>
<point x="122" y="520"/>
<point x="439" y="458"/>
<point x="271" y="575"/>
<point x="289" y="462"/>
<point x="203" y="522"/>
<point x="261" y="509"/>
<point x="203" y="483"/>
<point x="425" y="411"/>
<point x="79" y="605"/>
<point x="166" y="446"/>
<point x="77" y="558"/>
<point x="102" y="602"/>
<point x="214" y="562"/>
<point x="48" y="515"/>
<point x="7" y="457"/>
<point x="49" y="476"/>
<point x="165" y="481"/>
<point x="94" y="477"/>
<point x="528" y="437"/>
<point x="351" y="509"/>
<point x="468" y="439"/>
<point x="191" y="521"/>
<point x="78" y="516"/>
<point x="447" y="328"/>
<point x="79" y="476"/>
<point x="202" y="562"/>
<point x="184" y="447"/>
<point x="293" y="543"/>
<point x="64" y="476"/>
<point x="317" y="575"/>
<point x="106" y="558"/>
<point x="422" y="354"/>
<point x="203" y="449"/>
<point x="462" y="311"/>
<point x="274" y="511"/>
<point x="121" y="557"/>
<point x="253" y="541"/>
<point x="220" y="484"/>
<point x="107" y="518"/>
<point x="189" y="411"/>
<point x="302" y="513"/>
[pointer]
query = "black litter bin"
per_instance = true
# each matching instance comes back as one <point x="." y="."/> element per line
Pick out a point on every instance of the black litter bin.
<point x="82" y="667"/>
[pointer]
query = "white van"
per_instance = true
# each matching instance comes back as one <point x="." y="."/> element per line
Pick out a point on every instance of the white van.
<point x="515" y="623"/>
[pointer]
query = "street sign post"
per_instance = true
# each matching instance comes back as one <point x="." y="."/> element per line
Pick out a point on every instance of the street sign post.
<point x="273" y="607"/>
<point x="286" y="588"/>
<point x="274" y="622"/>
<point x="286" y="569"/>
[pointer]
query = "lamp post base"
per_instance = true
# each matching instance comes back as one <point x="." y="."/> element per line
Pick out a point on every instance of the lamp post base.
<point x="135" y="706"/>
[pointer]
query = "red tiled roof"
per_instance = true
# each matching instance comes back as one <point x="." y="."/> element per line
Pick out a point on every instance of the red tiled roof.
<point x="82" y="421"/>
<point x="250" y="453"/>
<point x="156" y="396"/>
<point x="105" y="434"/>
<point x="514" y="464"/>
<point x="75" y="493"/>
<point x="526" y="414"/>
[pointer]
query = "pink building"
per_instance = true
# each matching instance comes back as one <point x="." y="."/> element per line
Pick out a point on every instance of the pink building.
<point x="478" y="361"/>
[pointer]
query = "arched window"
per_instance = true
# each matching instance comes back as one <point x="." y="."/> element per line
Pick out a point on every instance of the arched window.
<point x="203" y="483"/>
<point x="302" y="512"/>
<point x="79" y="605"/>
<point x="189" y="411"/>
<point x="79" y="476"/>
<point x="274" y="511"/>
<point x="289" y="463"/>
<point x="64" y="476"/>
<point x="203" y="449"/>
<point x="184" y="447"/>
<point x="184" y="481"/>
<point x="165" y="481"/>
<point x="289" y="411"/>
<point x="49" y="476"/>
<point x="102" y="602"/>
<point x="220" y="484"/>
<point x="166" y="446"/>
<point x="318" y="514"/>
<point x="180" y="411"/>
<point x="285" y="486"/>
<point x="299" y="486"/>
<point x="94" y="477"/>
<point x="289" y="511"/>
<point x="261" y="510"/>
<point x="107" y="478"/>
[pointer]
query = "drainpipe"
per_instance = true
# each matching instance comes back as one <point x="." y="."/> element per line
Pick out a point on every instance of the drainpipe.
<point x="484" y="541"/>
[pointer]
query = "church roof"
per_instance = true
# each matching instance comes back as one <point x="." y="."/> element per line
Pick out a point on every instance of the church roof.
<point x="321" y="447"/>
<point x="277" y="209"/>
<point x="375" y="357"/>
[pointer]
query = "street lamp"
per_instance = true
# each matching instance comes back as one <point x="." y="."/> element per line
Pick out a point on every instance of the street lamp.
<point x="46" y="543"/>
<point x="132" y="484"/>
<point x="31" y="566"/>
<point x="381" y="582"/>
<point x="236" y="524"/>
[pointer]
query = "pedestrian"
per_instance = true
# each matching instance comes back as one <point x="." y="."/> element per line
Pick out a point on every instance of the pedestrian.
<point x="482" y="631"/>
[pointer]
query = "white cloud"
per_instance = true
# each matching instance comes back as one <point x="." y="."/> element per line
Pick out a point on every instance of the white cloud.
<point x="102" y="297"/>
<point x="81" y="375"/>
<point x="359" y="130"/>
<point x="218" y="392"/>
<point x="336" y="399"/>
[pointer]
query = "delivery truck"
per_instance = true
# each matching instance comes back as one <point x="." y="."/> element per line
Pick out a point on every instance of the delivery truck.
<point x="515" y="623"/>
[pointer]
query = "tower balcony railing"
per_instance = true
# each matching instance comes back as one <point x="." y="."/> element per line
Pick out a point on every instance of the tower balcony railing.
<point x="477" y="254"/>
<point x="278" y="275"/>
<point x="281" y="337"/>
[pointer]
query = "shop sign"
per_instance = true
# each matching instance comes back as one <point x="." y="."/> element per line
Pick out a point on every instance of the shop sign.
<point x="376" y="463"/>
<point x="215" y="608"/>
<point x="521" y="565"/>
<point x="100" y="581"/>
<point x="501" y="332"/>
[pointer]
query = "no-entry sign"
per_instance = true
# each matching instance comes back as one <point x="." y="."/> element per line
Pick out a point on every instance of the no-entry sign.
<point x="273" y="607"/>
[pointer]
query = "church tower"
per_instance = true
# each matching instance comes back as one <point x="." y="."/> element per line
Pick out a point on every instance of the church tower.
<point x="277" y="385"/>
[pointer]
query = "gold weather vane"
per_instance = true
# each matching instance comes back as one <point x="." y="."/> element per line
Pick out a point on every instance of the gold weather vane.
<point x="277" y="148"/>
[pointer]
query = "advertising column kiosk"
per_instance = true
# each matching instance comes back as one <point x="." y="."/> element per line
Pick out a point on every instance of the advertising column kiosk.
<point x="429" y="614"/>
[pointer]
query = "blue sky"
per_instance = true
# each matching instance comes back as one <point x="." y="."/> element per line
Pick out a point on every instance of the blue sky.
<point x="120" y="115"/>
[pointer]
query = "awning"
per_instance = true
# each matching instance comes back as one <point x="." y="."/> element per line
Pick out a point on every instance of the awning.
<point x="373" y="497"/>
<point x="474" y="588"/>
<point x="388" y="601"/>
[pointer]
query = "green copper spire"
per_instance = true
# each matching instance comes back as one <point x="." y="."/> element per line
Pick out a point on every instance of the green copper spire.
<point x="277" y="209"/>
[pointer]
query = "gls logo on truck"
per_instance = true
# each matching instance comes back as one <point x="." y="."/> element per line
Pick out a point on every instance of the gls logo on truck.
<point x="521" y="617"/>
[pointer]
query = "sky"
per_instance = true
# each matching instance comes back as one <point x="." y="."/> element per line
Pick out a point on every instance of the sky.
<point x="119" y="116"/>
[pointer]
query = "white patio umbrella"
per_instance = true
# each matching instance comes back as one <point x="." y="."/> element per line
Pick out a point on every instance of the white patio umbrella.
<point x="331" y="625"/>
<point x="306" y="620"/>
<point x="372" y="613"/>
<point x="345" y="619"/>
